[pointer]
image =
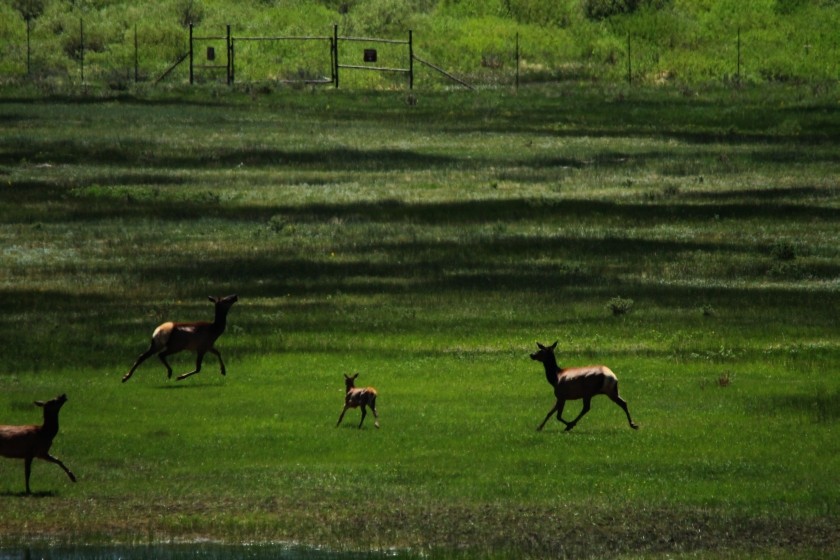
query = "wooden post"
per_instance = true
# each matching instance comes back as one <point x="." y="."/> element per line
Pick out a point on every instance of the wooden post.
<point x="82" y="49"/>
<point x="228" y="49"/>
<point x="28" y="59"/>
<point x="136" y="62"/>
<point x="410" y="60"/>
<point x="517" y="61"/>
<point x="335" y="53"/>
<point x="191" y="54"/>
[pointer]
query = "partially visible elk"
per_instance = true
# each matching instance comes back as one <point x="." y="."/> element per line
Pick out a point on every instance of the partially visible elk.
<point x="199" y="337"/>
<point x="358" y="397"/>
<point x="29" y="442"/>
<point x="577" y="383"/>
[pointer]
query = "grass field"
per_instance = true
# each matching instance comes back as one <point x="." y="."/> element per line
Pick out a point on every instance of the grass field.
<point x="429" y="247"/>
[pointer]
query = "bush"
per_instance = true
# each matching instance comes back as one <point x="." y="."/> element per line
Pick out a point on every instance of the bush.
<point x="783" y="251"/>
<point x="620" y="306"/>
<point x="597" y="10"/>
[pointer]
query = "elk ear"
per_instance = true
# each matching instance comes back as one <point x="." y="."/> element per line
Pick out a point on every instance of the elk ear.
<point x="540" y="346"/>
<point x="346" y="376"/>
<point x="39" y="403"/>
<point x="213" y="299"/>
<point x="553" y="346"/>
<point x="355" y="375"/>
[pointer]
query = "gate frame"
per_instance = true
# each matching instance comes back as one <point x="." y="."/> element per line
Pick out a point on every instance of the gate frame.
<point x="335" y="64"/>
<point x="338" y="65"/>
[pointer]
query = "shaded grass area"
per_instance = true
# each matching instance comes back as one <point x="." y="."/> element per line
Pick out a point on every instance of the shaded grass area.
<point x="428" y="248"/>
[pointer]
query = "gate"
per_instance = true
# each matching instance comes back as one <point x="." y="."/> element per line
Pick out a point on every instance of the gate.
<point x="370" y="57"/>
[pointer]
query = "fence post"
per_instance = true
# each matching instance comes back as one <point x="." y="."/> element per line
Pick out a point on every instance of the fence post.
<point x="191" y="53"/>
<point x="228" y="49"/>
<point x="335" y="53"/>
<point x="136" y="62"/>
<point x="517" y="61"/>
<point x="82" y="49"/>
<point x="410" y="59"/>
<point x="28" y="59"/>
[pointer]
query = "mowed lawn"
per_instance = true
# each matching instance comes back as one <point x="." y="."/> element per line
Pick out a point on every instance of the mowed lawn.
<point x="689" y="242"/>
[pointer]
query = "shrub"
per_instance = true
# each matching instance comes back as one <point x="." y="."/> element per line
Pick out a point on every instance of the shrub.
<point x="602" y="9"/>
<point x="783" y="251"/>
<point x="620" y="306"/>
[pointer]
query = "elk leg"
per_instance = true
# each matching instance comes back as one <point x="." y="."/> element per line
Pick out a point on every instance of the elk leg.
<point x="140" y="359"/>
<point x="623" y="404"/>
<point x="27" y="470"/>
<point x="218" y="355"/>
<point x="558" y="407"/>
<point x="375" y="414"/>
<point x="162" y="356"/>
<point x="58" y="462"/>
<point x="198" y="359"/>
<point x="586" y="402"/>
<point x="340" y="418"/>
<point x="364" y="413"/>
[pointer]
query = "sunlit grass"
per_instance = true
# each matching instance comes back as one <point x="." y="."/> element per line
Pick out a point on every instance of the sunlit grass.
<point x="427" y="248"/>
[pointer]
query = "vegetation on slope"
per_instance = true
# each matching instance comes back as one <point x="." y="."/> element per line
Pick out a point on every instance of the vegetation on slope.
<point x="668" y="41"/>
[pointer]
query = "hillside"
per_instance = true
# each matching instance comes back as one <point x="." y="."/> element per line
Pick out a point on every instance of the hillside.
<point x="669" y="41"/>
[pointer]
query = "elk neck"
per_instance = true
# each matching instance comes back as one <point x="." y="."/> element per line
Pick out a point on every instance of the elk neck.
<point x="552" y="370"/>
<point x="220" y="320"/>
<point x="50" y="427"/>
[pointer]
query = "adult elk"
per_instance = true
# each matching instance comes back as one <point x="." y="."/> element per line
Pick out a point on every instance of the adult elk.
<point x="355" y="397"/>
<point x="577" y="383"/>
<point x="29" y="442"/>
<point x="199" y="337"/>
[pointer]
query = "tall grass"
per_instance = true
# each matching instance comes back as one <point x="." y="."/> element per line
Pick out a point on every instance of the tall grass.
<point x="428" y="247"/>
<point x="673" y="42"/>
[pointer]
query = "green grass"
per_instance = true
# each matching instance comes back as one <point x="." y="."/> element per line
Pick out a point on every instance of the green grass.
<point x="428" y="247"/>
<point x="671" y="41"/>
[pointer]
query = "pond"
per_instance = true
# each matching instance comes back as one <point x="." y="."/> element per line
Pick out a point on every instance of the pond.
<point x="190" y="552"/>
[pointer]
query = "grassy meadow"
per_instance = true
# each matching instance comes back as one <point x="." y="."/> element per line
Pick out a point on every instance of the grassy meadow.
<point x="689" y="242"/>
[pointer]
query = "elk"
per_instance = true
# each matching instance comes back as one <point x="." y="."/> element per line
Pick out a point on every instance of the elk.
<point x="577" y="383"/>
<point x="29" y="442"/>
<point x="358" y="397"/>
<point x="199" y="337"/>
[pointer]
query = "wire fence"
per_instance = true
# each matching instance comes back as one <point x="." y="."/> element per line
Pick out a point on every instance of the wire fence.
<point x="224" y="56"/>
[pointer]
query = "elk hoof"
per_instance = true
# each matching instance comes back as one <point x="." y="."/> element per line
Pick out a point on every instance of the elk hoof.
<point x="634" y="426"/>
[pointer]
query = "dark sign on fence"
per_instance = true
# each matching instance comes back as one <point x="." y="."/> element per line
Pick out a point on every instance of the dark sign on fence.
<point x="370" y="55"/>
<point x="211" y="53"/>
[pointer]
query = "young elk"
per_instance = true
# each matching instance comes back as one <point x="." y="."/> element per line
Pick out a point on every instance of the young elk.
<point x="356" y="397"/>
<point x="199" y="337"/>
<point x="577" y="383"/>
<point x="28" y="442"/>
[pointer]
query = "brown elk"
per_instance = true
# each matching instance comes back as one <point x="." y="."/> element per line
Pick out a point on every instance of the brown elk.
<point x="358" y="397"/>
<point x="29" y="442"/>
<point x="577" y="383"/>
<point x="170" y="338"/>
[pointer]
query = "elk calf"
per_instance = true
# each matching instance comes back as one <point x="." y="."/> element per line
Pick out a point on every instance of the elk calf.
<point x="170" y="338"/>
<point x="358" y="397"/>
<point x="577" y="383"/>
<point x="29" y="442"/>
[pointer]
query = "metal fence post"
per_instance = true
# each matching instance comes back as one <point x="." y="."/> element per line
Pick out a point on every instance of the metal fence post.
<point x="82" y="49"/>
<point x="191" y="53"/>
<point x="136" y="59"/>
<point x="335" y="52"/>
<point x="229" y="49"/>
<point x="410" y="59"/>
